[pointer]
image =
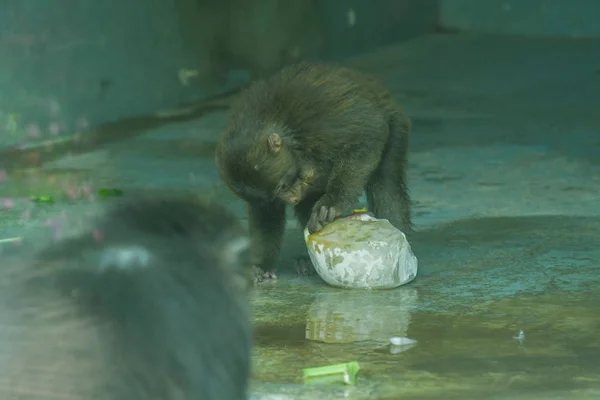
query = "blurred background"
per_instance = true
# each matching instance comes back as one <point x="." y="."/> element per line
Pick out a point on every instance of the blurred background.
<point x="504" y="170"/>
<point x="67" y="65"/>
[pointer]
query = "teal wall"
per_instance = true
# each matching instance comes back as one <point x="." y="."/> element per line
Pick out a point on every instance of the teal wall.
<point x="573" y="18"/>
<point x="67" y="63"/>
<point x="377" y="22"/>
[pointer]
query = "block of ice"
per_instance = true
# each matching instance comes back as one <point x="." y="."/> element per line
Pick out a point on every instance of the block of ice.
<point x="362" y="252"/>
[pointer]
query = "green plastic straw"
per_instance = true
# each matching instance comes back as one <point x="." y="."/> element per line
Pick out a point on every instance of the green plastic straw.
<point x="337" y="373"/>
<point x="110" y="192"/>
<point x="42" y="199"/>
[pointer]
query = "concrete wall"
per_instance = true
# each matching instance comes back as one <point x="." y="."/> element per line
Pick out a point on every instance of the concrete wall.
<point x="354" y="26"/>
<point x="573" y="18"/>
<point x="68" y="64"/>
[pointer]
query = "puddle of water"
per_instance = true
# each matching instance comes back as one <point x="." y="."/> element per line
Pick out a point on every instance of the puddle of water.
<point x="481" y="282"/>
<point x="301" y="324"/>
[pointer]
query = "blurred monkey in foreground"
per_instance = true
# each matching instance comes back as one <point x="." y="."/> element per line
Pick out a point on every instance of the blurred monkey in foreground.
<point x="151" y="304"/>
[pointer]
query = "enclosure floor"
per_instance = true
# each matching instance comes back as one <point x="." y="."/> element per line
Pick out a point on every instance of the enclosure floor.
<point x="505" y="176"/>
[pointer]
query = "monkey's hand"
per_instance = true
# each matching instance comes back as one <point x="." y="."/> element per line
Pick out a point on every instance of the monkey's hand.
<point x="324" y="211"/>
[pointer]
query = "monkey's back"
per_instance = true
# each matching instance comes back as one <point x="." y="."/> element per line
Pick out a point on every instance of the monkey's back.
<point x="316" y="102"/>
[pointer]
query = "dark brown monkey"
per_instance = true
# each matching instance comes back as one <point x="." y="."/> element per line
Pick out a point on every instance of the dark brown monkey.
<point x="260" y="36"/>
<point x="152" y="306"/>
<point x="314" y="136"/>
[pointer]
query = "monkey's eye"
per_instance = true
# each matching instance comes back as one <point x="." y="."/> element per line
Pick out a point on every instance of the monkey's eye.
<point x="287" y="182"/>
<point x="281" y="187"/>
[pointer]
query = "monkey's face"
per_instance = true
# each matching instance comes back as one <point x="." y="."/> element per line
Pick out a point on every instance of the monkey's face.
<point x="277" y="177"/>
<point x="281" y="175"/>
<point x="296" y="184"/>
<point x="290" y="188"/>
<point x="266" y="170"/>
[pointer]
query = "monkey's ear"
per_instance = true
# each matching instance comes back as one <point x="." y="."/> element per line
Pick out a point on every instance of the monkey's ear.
<point x="275" y="142"/>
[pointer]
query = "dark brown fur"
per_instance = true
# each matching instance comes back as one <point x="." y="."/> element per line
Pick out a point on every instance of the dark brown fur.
<point x="89" y="321"/>
<point x="314" y="136"/>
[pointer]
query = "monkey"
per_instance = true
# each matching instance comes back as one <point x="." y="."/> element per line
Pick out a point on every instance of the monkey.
<point x="314" y="136"/>
<point x="150" y="303"/>
<point x="259" y="37"/>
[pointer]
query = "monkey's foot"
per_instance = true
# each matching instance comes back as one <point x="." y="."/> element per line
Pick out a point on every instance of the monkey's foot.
<point x="304" y="266"/>
<point x="260" y="275"/>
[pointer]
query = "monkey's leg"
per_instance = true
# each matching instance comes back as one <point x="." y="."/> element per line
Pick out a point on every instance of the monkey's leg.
<point x="266" y="224"/>
<point x="387" y="191"/>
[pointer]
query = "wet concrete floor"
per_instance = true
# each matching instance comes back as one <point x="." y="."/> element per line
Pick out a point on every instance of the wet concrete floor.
<point x="505" y="175"/>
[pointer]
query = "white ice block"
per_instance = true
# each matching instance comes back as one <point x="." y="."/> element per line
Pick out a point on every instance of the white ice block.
<point x="362" y="252"/>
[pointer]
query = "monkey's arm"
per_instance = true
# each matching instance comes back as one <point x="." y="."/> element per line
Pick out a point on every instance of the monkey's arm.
<point x="266" y="223"/>
<point x="344" y="187"/>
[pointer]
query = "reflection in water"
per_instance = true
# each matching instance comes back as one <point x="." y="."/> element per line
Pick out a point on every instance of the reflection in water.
<point x="347" y="317"/>
<point x="401" y="344"/>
